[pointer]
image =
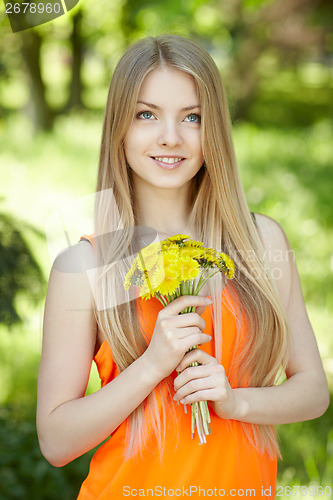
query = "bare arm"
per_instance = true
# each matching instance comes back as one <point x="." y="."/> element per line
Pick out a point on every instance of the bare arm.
<point x="304" y="395"/>
<point x="69" y="424"/>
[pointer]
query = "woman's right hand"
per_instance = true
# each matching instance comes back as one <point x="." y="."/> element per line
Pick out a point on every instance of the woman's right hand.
<point x="175" y="334"/>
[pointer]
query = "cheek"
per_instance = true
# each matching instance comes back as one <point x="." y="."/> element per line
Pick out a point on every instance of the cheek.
<point x="194" y="139"/>
<point x="135" y="141"/>
<point x="199" y="154"/>
<point x="130" y="144"/>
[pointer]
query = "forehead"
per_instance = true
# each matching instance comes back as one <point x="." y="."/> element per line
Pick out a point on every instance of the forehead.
<point x="165" y="85"/>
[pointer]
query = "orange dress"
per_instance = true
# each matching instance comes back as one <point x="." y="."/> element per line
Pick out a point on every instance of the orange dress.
<point x="228" y="465"/>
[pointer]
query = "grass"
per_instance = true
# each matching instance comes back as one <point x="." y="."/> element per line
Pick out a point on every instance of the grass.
<point x="287" y="174"/>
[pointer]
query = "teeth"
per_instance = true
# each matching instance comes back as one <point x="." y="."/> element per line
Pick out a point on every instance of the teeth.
<point x="164" y="159"/>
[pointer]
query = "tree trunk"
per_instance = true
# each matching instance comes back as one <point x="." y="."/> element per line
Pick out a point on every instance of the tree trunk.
<point x="43" y="115"/>
<point x="75" y="96"/>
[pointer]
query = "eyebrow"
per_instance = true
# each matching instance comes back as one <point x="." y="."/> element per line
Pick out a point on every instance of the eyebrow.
<point x="153" y="106"/>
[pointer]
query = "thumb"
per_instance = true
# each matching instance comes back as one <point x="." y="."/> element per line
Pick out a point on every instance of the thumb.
<point x="200" y="309"/>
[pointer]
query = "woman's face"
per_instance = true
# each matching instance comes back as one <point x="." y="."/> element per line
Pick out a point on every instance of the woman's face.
<point x="163" y="145"/>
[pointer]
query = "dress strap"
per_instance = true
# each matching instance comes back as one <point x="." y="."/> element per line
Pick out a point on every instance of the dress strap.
<point x="88" y="237"/>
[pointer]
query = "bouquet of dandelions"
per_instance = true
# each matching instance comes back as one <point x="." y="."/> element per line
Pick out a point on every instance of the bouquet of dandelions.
<point x="179" y="266"/>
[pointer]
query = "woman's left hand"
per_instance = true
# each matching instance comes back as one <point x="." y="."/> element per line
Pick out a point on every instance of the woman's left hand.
<point x="206" y="382"/>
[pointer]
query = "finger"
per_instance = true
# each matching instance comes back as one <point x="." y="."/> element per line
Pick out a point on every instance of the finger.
<point x="195" y="397"/>
<point x="182" y="333"/>
<point x="193" y="386"/>
<point x="179" y="304"/>
<point x="192" y="373"/>
<point x="215" y="373"/>
<point x="194" y="339"/>
<point x="189" y="319"/>
<point x="195" y="355"/>
<point x="200" y="310"/>
<point x="182" y="320"/>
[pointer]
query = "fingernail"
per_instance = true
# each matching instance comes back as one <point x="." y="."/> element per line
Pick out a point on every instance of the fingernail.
<point x="208" y="300"/>
<point x="175" y="398"/>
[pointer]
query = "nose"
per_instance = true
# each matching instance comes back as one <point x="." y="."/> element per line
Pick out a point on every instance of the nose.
<point x="170" y="134"/>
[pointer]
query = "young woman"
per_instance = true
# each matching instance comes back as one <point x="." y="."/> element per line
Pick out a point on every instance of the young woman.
<point x="167" y="163"/>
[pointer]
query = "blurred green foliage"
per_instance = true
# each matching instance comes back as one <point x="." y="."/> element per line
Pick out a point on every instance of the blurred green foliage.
<point x="275" y="55"/>
<point x="307" y="452"/>
<point x="276" y="60"/>
<point x="19" y="271"/>
<point x="288" y="174"/>
<point x="24" y="472"/>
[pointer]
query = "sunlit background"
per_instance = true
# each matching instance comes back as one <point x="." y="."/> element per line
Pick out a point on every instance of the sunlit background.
<point x="276" y="61"/>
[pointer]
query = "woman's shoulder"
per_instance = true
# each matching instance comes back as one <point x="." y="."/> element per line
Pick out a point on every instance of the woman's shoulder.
<point x="70" y="285"/>
<point x="277" y="253"/>
<point x="271" y="232"/>
<point x="76" y="258"/>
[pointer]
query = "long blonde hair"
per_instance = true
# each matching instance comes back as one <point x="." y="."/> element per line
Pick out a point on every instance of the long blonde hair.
<point x="220" y="217"/>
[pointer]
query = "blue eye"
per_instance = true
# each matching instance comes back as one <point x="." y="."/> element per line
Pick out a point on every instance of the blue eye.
<point x="145" y="115"/>
<point x="193" y="118"/>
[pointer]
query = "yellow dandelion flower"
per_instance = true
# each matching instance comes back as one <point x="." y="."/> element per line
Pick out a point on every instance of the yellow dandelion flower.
<point x="178" y="238"/>
<point x="134" y="266"/>
<point x="211" y="256"/>
<point x="133" y="275"/>
<point x="191" y="252"/>
<point x="136" y="279"/>
<point x="150" y="262"/>
<point x="150" y="250"/>
<point x="186" y="252"/>
<point x="165" y="245"/>
<point x="197" y="253"/>
<point x="188" y="268"/>
<point x="127" y="283"/>
<point x="147" y="290"/>
<point x="145" y="285"/>
<point x="157" y="276"/>
<point x="193" y="244"/>
<point x="169" y="283"/>
<point x="228" y="263"/>
<point x="146" y="296"/>
<point x="128" y="280"/>
<point x="170" y="257"/>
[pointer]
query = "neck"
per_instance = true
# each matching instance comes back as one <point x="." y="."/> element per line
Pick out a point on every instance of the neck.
<point x="166" y="211"/>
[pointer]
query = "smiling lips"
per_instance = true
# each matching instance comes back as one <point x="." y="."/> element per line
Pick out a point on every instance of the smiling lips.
<point x="168" y="162"/>
<point x="168" y="159"/>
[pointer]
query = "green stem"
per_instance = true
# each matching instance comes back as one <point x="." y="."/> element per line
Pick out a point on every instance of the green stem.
<point x="162" y="300"/>
<point x="200" y="285"/>
<point x="200" y="280"/>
